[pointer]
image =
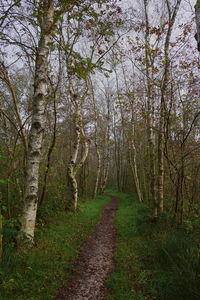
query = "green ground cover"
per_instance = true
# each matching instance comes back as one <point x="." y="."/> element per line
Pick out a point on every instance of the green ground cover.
<point x="153" y="260"/>
<point x="38" y="273"/>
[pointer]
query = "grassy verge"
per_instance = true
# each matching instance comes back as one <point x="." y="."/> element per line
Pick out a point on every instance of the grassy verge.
<point x="152" y="260"/>
<point x="131" y="276"/>
<point x="39" y="272"/>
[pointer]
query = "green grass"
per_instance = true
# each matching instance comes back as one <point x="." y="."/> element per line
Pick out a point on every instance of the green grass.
<point x="39" y="272"/>
<point x="153" y="260"/>
<point x="131" y="277"/>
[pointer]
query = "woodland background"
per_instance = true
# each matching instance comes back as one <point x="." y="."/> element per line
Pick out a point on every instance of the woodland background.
<point x="109" y="90"/>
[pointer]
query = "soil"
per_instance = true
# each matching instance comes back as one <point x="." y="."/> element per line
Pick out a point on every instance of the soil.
<point x="95" y="260"/>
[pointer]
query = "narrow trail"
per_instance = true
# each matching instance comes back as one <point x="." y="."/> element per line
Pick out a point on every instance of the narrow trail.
<point x="95" y="259"/>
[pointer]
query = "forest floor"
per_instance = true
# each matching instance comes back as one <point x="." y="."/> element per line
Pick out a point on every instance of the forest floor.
<point x="95" y="260"/>
<point x="39" y="272"/>
<point x="110" y="249"/>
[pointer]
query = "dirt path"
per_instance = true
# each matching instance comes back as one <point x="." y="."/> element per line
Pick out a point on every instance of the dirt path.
<point x="96" y="260"/>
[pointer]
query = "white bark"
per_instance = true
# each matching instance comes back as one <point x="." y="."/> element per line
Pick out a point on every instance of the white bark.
<point x="97" y="149"/>
<point x="98" y="172"/>
<point x="172" y="18"/>
<point x="107" y="151"/>
<point x="72" y="167"/>
<point x="151" y="117"/>
<point x="133" y="161"/>
<point x="48" y="28"/>
<point x="131" y="138"/>
<point x="86" y="147"/>
<point x="105" y="177"/>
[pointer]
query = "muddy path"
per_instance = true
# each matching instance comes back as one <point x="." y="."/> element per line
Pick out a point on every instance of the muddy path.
<point x="95" y="260"/>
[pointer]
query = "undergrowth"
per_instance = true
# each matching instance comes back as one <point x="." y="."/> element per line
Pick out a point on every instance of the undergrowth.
<point x="153" y="260"/>
<point x="38" y="273"/>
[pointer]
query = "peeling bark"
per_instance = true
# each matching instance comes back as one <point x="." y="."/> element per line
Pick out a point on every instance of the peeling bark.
<point x="48" y="28"/>
<point x="72" y="167"/>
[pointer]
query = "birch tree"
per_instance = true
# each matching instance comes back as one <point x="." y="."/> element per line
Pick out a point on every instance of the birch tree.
<point x="131" y="140"/>
<point x="97" y="146"/>
<point x="107" y="150"/>
<point x="150" y="113"/>
<point x="48" y="22"/>
<point x="129" y="121"/>
<point x="171" y="20"/>
<point x="73" y="166"/>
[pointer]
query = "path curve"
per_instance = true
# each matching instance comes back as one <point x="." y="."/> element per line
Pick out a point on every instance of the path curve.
<point x="96" y="260"/>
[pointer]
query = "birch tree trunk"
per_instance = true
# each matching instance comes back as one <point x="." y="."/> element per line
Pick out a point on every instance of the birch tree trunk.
<point x="74" y="155"/>
<point x="98" y="171"/>
<point x="48" y="28"/>
<point x="150" y="117"/>
<point x="105" y="176"/>
<point x="118" y="158"/>
<point x="172" y="18"/>
<point x="107" y="151"/>
<point x="97" y="148"/>
<point x="105" y="168"/>
<point x="72" y="167"/>
<point x="50" y="151"/>
<point x="117" y="142"/>
<point x="133" y="148"/>
<point x="131" y="139"/>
